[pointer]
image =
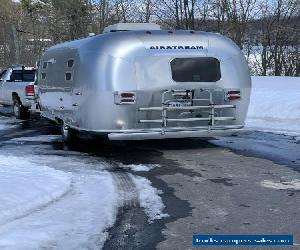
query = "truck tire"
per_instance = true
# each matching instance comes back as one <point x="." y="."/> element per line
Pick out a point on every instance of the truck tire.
<point x="20" y="111"/>
<point x="69" y="135"/>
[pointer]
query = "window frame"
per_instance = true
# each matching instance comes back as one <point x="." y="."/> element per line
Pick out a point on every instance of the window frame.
<point x="198" y="57"/>
<point x="45" y="65"/>
<point x="71" y="73"/>
<point x="45" y="74"/>
<point x="71" y="59"/>
<point x="22" y="75"/>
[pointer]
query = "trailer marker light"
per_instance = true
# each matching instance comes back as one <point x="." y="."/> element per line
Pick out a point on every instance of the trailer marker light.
<point x="127" y="95"/>
<point x="125" y="98"/>
<point x="29" y="90"/>
<point x="233" y="95"/>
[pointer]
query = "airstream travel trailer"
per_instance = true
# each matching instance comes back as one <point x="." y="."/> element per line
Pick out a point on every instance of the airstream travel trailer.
<point x="136" y="81"/>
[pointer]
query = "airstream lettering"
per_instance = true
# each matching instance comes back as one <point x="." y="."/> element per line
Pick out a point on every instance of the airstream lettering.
<point x="176" y="47"/>
<point x="146" y="83"/>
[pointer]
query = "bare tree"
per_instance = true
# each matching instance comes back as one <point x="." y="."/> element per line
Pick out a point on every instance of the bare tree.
<point x="277" y="48"/>
<point x="266" y="30"/>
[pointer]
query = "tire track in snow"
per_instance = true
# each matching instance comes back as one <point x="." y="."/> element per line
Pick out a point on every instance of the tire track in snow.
<point x="42" y="206"/>
<point x="126" y="188"/>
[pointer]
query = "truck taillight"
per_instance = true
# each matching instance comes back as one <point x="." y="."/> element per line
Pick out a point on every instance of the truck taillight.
<point x="233" y="95"/>
<point x="29" y="90"/>
<point x="125" y="97"/>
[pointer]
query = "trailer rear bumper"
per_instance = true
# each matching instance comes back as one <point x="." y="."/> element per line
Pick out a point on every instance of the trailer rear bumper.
<point x="183" y="133"/>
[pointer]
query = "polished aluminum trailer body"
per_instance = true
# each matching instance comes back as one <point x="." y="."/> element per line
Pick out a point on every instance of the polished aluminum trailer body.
<point x="121" y="84"/>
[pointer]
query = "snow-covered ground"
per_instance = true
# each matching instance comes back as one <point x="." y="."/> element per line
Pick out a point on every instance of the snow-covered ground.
<point x="275" y="105"/>
<point x="56" y="199"/>
<point x="22" y="187"/>
<point x="5" y="122"/>
<point x="41" y="138"/>
<point x="42" y="207"/>
<point x="79" y="220"/>
<point x="139" y="167"/>
<point x="149" y="198"/>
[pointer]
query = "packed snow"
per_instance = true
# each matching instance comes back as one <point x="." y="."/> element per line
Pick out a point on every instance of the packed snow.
<point x="79" y="220"/>
<point x="42" y="207"/>
<point x="56" y="199"/>
<point x="5" y="122"/>
<point x="149" y="198"/>
<point x="23" y="189"/>
<point x="53" y="201"/>
<point x="41" y="138"/>
<point x="282" y="185"/>
<point x="275" y="105"/>
<point x="140" y="167"/>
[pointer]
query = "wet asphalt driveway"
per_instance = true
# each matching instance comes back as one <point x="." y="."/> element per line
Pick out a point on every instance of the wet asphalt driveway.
<point x="236" y="185"/>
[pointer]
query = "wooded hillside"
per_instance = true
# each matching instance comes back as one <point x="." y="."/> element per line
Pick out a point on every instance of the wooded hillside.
<point x="268" y="31"/>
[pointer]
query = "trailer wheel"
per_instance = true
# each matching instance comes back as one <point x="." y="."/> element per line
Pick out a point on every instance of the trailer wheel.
<point x="20" y="111"/>
<point x="69" y="135"/>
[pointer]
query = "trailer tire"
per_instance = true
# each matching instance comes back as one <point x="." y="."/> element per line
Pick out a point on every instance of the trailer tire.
<point x="20" y="111"/>
<point x="69" y="135"/>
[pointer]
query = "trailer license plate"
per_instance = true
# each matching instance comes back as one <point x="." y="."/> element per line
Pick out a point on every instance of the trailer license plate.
<point x="180" y="104"/>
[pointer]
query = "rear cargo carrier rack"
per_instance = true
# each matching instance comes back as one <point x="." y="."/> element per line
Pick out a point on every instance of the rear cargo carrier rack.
<point x="187" y="95"/>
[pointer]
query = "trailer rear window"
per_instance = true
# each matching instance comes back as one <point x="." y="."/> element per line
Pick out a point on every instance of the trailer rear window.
<point x="22" y="76"/>
<point x="200" y="69"/>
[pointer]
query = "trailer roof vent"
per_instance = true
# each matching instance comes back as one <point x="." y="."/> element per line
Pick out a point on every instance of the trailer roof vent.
<point x="131" y="26"/>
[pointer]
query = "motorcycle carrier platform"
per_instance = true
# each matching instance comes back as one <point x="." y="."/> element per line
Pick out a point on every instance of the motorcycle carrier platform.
<point x="187" y="97"/>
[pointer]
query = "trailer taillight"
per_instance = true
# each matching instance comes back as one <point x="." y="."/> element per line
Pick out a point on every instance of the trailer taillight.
<point x="29" y="90"/>
<point x="233" y="95"/>
<point x="125" y="97"/>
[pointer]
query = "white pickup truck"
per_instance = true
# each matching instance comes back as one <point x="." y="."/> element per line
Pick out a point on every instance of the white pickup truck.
<point x="17" y="88"/>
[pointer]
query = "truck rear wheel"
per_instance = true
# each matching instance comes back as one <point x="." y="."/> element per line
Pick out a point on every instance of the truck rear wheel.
<point x="20" y="111"/>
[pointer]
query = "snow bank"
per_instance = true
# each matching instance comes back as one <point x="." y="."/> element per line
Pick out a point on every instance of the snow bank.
<point x="294" y="184"/>
<point x="26" y="186"/>
<point x="54" y="199"/>
<point x="40" y="138"/>
<point x="149" y="198"/>
<point x="5" y="122"/>
<point x="3" y="126"/>
<point x="139" y="167"/>
<point x="79" y="220"/>
<point x="275" y="104"/>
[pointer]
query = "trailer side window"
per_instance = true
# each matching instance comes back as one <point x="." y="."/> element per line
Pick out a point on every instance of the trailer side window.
<point x="198" y="69"/>
<point x="70" y="63"/>
<point x="68" y="76"/>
